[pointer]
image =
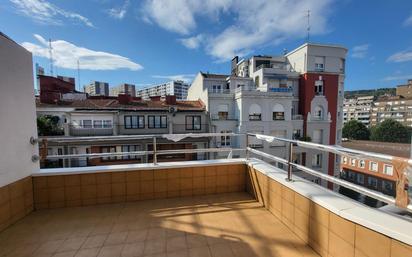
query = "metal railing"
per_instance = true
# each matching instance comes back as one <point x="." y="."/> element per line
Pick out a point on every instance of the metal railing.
<point x="248" y="150"/>
<point x="357" y="154"/>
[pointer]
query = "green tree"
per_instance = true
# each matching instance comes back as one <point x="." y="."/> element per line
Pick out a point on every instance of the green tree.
<point x="390" y="131"/>
<point x="48" y="125"/>
<point x="355" y="130"/>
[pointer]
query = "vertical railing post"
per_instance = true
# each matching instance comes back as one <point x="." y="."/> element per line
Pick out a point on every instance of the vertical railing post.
<point x="290" y="162"/>
<point x="154" y="151"/>
<point x="247" y="145"/>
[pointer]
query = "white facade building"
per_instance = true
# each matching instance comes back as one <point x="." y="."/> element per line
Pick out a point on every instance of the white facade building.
<point x="359" y="109"/>
<point x="124" y="88"/>
<point x="299" y="95"/>
<point x="176" y="87"/>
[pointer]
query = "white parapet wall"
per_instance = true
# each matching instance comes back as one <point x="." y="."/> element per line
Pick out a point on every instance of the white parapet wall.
<point x="17" y="112"/>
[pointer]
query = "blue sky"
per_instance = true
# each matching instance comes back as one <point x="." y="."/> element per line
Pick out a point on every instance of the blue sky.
<point x="150" y="41"/>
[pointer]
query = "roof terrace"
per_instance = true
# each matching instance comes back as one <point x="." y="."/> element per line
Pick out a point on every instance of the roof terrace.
<point x="227" y="207"/>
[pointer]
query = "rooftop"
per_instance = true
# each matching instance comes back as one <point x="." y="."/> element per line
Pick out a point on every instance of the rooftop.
<point x="395" y="149"/>
<point x="112" y="103"/>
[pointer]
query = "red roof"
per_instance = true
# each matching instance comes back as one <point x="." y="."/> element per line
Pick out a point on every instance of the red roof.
<point x="113" y="104"/>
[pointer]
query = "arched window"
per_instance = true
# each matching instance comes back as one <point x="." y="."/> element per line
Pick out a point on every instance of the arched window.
<point x="318" y="112"/>
<point x="255" y="112"/>
<point x="278" y="112"/>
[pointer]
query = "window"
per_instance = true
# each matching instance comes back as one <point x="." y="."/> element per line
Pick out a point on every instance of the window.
<point x="86" y="124"/>
<point x="353" y="162"/>
<point x="319" y="63"/>
<point x="107" y="124"/>
<point x="388" y="169"/>
<point x="360" y="178"/>
<point x="108" y="149"/>
<point x="98" y="124"/>
<point x="373" y="166"/>
<point x="296" y="134"/>
<point x="278" y="112"/>
<point x="225" y="140"/>
<point x="344" y="159"/>
<point x="361" y="164"/>
<point x="319" y="87"/>
<point x="158" y="121"/>
<point x="134" y="122"/>
<point x="223" y="112"/>
<point x="318" y="115"/>
<point x="351" y="176"/>
<point x="193" y="123"/>
<point x="255" y="113"/>
<point x="317" y="160"/>
<point x="130" y="148"/>
<point x="217" y="88"/>
<point x="372" y="182"/>
<point x="388" y="187"/>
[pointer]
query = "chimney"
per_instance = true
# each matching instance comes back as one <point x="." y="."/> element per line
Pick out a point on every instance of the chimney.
<point x="124" y="98"/>
<point x="235" y="60"/>
<point x="171" y="99"/>
<point x="155" y="98"/>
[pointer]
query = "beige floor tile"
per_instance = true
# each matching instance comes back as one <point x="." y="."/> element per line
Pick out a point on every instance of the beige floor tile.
<point x="110" y="251"/>
<point x="136" y="236"/>
<point x="175" y="243"/>
<point x="155" y="246"/>
<point x="65" y="254"/>
<point x="133" y="249"/>
<point x="94" y="241"/>
<point x="202" y="251"/>
<point x="91" y="252"/>
<point x="116" y="238"/>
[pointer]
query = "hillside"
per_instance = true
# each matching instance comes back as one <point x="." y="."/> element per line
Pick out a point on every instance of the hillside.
<point x="374" y="92"/>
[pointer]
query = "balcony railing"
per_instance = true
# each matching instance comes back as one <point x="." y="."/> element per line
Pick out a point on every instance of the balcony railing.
<point x="257" y="140"/>
<point x="220" y="117"/>
<point x="220" y="91"/>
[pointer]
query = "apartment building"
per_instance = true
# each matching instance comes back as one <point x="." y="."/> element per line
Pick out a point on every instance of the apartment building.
<point x="97" y="88"/>
<point x="374" y="174"/>
<point x="359" y="109"/>
<point x="395" y="107"/>
<point x="177" y="88"/>
<point x="126" y="115"/>
<point x="298" y="95"/>
<point x="124" y="88"/>
<point x="405" y="90"/>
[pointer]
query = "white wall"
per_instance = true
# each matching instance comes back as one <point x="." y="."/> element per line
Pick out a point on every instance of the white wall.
<point x="17" y="112"/>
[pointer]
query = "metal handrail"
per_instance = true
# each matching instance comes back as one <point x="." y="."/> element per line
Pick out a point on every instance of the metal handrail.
<point x="331" y="149"/>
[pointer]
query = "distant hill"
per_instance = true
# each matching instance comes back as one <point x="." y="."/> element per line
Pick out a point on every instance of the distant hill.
<point x="374" y="92"/>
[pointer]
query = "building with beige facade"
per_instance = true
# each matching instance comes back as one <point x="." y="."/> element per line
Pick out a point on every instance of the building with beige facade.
<point x="359" y="109"/>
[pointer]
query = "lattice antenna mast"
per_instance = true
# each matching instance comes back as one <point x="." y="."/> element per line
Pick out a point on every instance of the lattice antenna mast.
<point x="51" y="57"/>
<point x="78" y="74"/>
<point x="308" y="26"/>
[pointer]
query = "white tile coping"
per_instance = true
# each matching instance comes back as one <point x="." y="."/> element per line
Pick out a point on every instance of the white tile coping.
<point x="383" y="222"/>
<point x="137" y="166"/>
<point x="377" y="220"/>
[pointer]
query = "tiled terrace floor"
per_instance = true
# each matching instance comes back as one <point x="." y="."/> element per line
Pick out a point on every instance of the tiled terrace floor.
<point x="222" y="225"/>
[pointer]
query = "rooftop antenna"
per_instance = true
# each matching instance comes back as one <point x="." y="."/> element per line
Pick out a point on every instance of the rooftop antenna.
<point x="78" y="74"/>
<point x="51" y="57"/>
<point x="308" y="27"/>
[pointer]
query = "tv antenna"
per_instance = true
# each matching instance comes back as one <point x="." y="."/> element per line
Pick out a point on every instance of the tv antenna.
<point x="51" y="57"/>
<point x="78" y="74"/>
<point x="308" y="27"/>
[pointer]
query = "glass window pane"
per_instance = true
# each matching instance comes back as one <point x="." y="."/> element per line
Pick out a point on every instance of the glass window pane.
<point x="134" y="121"/>
<point x="87" y="123"/>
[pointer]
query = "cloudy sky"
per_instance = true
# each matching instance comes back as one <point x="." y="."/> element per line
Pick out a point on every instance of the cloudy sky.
<point x="150" y="41"/>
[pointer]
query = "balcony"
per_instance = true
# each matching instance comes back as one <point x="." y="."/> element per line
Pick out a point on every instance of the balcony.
<point x="231" y="207"/>
<point x="216" y="117"/>
<point x="90" y="131"/>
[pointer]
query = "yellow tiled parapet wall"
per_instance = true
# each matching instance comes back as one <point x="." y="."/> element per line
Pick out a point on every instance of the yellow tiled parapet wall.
<point x="56" y="191"/>
<point x="331" y="229"/>
<point x="16" y="201"/>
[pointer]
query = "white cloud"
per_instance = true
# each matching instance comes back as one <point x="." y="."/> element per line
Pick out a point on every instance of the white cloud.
<point x="360" y="51"/>
<point x="408" y="21"/>
<point x="46" y="13"/>
<point x="397" y="77"/>
<point x="193" y="42"/>
<point x="119" y="12"/>
<point x="66" y="54"/>
<point x="183" y="77"/>
<point x="402" y="56"/>
<point x="255" y="25"/>
<point x="179" y="15"/>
